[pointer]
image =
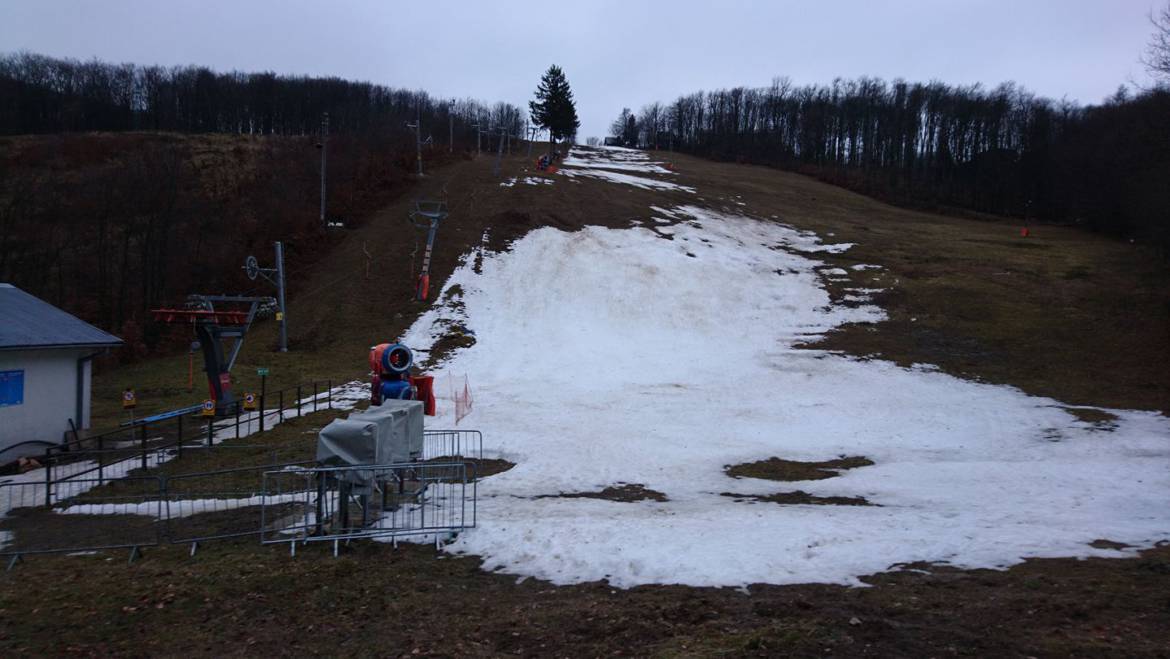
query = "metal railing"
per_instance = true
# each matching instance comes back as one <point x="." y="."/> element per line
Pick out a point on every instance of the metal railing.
<point x="332" y="504"/>
<point x="88" y="517"/>
<point x="215" y="505"/>
<point x="452" y="445"/>
<point x="291" y="502"/>
<point x="141" y="442"/>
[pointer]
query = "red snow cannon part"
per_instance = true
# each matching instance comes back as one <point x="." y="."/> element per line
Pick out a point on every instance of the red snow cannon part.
<point x="376" y="357"/>
<point x="376" y="390"/>
<point x="425" y="387"/>
<point x="424" y="286"/>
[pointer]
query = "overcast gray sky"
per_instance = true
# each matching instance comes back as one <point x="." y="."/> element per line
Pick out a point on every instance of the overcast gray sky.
<point x="615" y="53"/>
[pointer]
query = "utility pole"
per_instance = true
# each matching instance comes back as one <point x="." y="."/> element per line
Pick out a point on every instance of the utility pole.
<point x="478" y="132"/>
<point x="500" y="150"/>
<point x="321" y="145"/>
<point x="280" y="293"/>
<point x="451" y="126"/>
<point x="416" y="126"/>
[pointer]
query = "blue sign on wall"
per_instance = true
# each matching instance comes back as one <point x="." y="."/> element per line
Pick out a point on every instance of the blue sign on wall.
<point x="11" y="388"/>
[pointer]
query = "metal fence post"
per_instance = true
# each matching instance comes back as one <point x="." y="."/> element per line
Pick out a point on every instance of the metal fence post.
<point x="180" y="424"/>
<point x="101" y="440"/>
<point x="210" y="436"/>
<point x="314" y="395"/>
<point x="329" y="400"/>
<point x="142" y="440"/>
<point x="237" y="420"/>
<point x="280" y="403"/>
<point x="48" y="480"/>
<point x="298" y="400"/>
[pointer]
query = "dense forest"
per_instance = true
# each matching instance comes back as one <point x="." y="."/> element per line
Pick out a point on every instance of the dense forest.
<point x="41" y="94"/>
<point x="124" y="188"/>
<point x="1003" y="151"/>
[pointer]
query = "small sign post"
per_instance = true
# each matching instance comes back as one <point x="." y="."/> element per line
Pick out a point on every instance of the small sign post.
<point x="263" y="373"/>
<point x="129" y="401"/>
<point x="207" y="411"/>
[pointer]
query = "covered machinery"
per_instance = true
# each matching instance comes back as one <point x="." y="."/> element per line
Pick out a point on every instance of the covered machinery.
<point x="390" y="433"/>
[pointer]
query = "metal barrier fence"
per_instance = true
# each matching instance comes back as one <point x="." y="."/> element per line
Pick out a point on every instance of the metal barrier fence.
<point x="82" y="515"/>
<point x="452" y="444"/>
<point x="293" y="502"/>
<point x="138" y="442"/>
<point x="114" y="464"/>
<point x="217" y="504"/>
<point x="319" y="504"/>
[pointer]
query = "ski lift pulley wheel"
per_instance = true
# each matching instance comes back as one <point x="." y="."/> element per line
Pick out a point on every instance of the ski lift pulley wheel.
<point x="251" y="268"/>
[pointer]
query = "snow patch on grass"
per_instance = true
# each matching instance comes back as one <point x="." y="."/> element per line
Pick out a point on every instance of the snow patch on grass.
<point x="609" y="356"/>
<point x="626" y="179"/>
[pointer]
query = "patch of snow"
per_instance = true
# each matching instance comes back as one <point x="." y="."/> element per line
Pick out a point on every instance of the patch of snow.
<point x="607" y="356"/>
<point x="647" y="167"/>
<point x="176" y="508"/>
<point x="627" y="179"/>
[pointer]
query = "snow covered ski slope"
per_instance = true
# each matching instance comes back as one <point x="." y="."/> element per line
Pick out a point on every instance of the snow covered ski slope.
<point x="607" y="357"/>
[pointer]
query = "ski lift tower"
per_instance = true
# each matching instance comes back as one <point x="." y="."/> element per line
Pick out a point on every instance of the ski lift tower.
<point x="275" y="276"/>
<point x="213" y="325"/>
<point x="427" y="214"/>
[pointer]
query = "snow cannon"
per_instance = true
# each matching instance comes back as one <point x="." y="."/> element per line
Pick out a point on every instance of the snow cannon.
<point x="391" y="358"/>
<point x="390" y="363"/>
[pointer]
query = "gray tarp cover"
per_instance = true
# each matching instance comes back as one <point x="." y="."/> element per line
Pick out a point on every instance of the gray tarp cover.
<point x="385" y="434"/>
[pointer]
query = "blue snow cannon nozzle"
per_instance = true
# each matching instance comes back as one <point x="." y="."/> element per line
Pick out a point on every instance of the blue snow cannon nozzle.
<point x="397" y="359"/>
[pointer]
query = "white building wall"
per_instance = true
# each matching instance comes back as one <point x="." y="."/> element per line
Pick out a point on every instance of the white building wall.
<point x="50" y="396"/>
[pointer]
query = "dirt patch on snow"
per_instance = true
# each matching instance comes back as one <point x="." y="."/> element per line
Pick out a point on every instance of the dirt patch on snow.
<point x="623" y="492"/>
<point x="1102" y="543"/>
<point x="776" y="469"/>
<point x="798" y="497"/>
<point x="1099" y="419"/>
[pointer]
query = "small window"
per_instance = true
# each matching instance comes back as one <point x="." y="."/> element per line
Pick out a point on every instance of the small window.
<point x="11" y="388"/>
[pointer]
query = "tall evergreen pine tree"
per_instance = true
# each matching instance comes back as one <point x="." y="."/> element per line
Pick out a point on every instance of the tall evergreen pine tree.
<point x="554" y="108"/>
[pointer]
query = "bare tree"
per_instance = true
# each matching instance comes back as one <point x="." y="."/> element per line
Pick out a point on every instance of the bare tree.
<point x="1157" y="55"/>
